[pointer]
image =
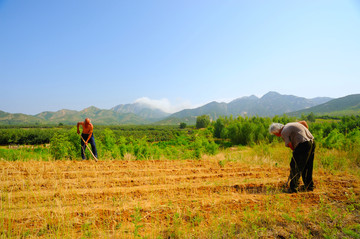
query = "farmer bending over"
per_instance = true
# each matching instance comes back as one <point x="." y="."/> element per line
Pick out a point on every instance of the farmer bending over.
<point x="298" y="137"/>
<point x="88" y="136"/>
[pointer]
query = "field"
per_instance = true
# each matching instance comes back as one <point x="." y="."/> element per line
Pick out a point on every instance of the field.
<point x="236" y="193"/>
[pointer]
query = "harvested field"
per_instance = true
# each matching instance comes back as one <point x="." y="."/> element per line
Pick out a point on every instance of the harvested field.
<point x="171" y="199"/>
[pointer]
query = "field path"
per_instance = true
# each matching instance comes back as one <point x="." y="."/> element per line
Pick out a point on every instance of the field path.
<point x="107" y="195"/>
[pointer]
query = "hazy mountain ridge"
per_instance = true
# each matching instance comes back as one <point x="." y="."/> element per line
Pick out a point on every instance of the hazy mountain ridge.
<point x="137" y="113"/>
<point x="141" y="109"/>
<point x="15" y="119"/>
<point x="270" y="104"/>
<point x="347" y="105"/>
<point x="98" y="116"/>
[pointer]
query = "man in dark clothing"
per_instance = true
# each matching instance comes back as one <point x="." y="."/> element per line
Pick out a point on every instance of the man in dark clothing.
<point x="298" y="137"/>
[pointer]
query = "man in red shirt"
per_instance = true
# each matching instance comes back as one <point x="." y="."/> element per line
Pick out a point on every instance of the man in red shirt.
<point x="298" y="137"/>
<point x="88" y="136"/>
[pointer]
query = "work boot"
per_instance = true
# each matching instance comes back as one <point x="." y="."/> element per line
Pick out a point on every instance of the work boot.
<point x="306" y="189"/>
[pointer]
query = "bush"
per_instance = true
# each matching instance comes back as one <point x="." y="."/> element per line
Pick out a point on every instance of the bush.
<point x="212" y="148"/>
<point x="109" y="144"/>
<point x="60" y="147"/>
<point x="109" y="140"/>
<point x="182" y="125"/>
<point x="334" y="140"/>
<point x="242" y="133"/>
<point x="202" y="121"/>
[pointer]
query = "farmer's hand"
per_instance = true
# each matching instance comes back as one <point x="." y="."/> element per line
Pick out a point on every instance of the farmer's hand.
<point x="78" y="131"/>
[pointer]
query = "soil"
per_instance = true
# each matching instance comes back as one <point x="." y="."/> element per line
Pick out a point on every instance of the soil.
<point x="38" y="196"/>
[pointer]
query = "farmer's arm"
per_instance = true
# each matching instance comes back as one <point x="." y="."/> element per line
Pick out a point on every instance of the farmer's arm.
<point x="288" y="142"/>
<point x="285" y="134"/>
<point x="78" y="124"/>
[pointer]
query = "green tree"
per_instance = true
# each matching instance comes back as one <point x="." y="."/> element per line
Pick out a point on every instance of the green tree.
<point x="202" y="121"/>
<point x="218" y="127"/>
<point x="182" y="125"/>
<point x="311" y="117"/>
<point x="234" y="131"/>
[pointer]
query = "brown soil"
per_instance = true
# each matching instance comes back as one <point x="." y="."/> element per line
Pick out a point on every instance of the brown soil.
<point x="107" y="195"/>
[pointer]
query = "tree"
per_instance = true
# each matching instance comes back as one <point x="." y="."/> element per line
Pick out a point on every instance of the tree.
<point x="202" y="121"/>
<point x="182" y="125"/>
<point x="311" y="117"/>
<point x="218" y="127"/>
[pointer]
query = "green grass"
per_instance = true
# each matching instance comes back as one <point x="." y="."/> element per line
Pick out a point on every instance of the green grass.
<point x="25" y="153"/>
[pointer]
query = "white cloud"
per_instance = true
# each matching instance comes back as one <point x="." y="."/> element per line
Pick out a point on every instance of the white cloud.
<point x="165" y="105"/>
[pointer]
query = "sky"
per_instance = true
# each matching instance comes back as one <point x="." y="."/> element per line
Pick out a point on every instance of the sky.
<point x="174" y="54"/>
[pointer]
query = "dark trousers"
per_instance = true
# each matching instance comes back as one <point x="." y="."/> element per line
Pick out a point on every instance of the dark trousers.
<point x="91" y="142"/>
<point x="302" y="165"/>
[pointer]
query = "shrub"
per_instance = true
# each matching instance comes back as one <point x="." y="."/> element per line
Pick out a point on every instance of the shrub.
<point x="182" y="125"/>
<point x="60" y="147"/>
<point x="334" y="140"/>
<point x="109" y="139"/>
<point x="212" y="148"/>
<point x="202" y="121"/>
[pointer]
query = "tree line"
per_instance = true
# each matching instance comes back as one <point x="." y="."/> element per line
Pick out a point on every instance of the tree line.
<point x="174" y="142"/>
<point x="341" y="134"/>
<point x="42" y="135"/>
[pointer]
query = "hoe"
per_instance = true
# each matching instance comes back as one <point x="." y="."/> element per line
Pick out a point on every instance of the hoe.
<point x="88" y="148"/>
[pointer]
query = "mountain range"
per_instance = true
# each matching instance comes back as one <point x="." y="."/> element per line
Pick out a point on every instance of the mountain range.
<point x="348" y="105"/>
<point x="270" y="104"/>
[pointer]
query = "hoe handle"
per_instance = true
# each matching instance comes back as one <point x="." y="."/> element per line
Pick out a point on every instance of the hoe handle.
<point x="88" y="148"/>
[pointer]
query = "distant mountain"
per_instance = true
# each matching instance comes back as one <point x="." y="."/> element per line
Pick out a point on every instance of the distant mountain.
<point x="270" y="104"/>
<point x="214" y="109"/>
<point x="141" y="109"/>
<point x="15" y="119"/>
<point x="348" y="105"/>
<point x="61" y="115"/>
<point x="97" y="116"/>
<point x="136" y="113"/>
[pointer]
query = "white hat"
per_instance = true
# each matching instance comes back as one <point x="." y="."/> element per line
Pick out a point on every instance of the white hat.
<point x="275" y="128"/>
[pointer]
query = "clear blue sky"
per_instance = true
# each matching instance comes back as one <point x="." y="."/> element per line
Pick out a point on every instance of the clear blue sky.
<point x="75" y="54"/>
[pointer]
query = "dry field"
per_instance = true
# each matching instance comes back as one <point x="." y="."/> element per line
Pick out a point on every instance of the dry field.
<point x="208" y="198"/>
